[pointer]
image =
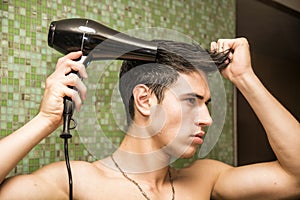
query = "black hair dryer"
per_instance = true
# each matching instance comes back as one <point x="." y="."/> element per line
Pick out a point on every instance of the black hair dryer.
<point x="84" y="35"/>
<point x="76" y="34"/>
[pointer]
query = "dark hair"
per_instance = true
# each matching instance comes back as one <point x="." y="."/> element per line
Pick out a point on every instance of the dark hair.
<point x="172" y="58"/>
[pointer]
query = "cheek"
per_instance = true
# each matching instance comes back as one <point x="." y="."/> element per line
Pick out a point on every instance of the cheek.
<point x="180" y="123"/>
<point x="158" y="117"/>
<point x="174" y="114"/>
<point x="166" y="118"/>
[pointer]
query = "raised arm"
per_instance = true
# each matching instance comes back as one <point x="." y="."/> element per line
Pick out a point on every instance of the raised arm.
<point x="277" y="179"/>
<point x="16" y="145"/>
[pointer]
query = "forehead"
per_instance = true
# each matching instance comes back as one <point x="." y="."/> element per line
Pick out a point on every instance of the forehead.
<point x="195" y="82"/>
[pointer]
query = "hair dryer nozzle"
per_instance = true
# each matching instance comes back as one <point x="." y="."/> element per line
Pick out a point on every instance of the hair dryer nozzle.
<point x="85" y="35"/>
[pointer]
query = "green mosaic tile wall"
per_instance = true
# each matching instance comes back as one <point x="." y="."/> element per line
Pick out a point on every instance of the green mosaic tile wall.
<point x="26" y="59"/>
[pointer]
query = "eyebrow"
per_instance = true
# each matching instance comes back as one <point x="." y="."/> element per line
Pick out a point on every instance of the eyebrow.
<point x="198" y="96"/>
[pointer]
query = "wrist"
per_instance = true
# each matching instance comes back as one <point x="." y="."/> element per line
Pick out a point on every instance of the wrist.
<point x="45" y="123"/>
<point x="245" y="80"/>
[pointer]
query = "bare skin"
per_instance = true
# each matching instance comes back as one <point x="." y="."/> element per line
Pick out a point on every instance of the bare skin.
<point x="184" y="115"/>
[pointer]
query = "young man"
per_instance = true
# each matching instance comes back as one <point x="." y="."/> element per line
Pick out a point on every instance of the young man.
<point x="163" y="122"/>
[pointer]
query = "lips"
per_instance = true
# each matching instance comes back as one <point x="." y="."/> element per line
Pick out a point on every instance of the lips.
<point x="198" y="137"/>
<point x="200" y="134"/>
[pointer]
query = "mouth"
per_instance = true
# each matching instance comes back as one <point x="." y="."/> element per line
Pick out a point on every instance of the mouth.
<point x="198" y="138"/>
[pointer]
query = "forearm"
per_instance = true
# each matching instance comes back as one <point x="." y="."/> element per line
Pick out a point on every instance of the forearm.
<point x="282" y="128"/>
<point x="16" y="145"/>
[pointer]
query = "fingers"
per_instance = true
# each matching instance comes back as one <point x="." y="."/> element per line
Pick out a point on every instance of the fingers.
<point x="213" y="46"/>
<point x="225" y="44"/>
<point x="73" y="94"/>
<point x="239" y="59"/>
<point x="78" y="94"/>
<point x="223" y="50"/>
<point x="67" y="64"/>
<point x="237" y="44"/>
<point x="221" y="45"/>
<point x="63" y="79"/>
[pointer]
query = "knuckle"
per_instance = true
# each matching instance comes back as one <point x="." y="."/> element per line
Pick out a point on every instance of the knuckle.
<point x="71" y="93"/>
<point x="49" y="81"/>
<point x="74" y="94"/>
<point x="68" y="63"/>
<point x="76" y="98"/>
<point x="73" y="78"/>
<point x="81" y="67"/>
<point x="244" y="40"/>
<point x="61" y="60"/>
<point x="220" y="40"/>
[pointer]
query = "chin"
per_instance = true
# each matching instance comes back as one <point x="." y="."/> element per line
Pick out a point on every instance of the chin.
<point x="181" y="151"/>
<point x="188" y="153"/>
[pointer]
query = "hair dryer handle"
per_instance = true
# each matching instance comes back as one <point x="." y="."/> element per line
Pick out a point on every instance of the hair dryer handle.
<point x="69" y="106"/>
<point x="67" y="116"/>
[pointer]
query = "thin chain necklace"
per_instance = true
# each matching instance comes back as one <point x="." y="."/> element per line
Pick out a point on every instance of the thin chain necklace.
<point x="138" y="186"/>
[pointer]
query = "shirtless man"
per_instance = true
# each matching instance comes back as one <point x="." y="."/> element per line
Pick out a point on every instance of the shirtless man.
<point x="183" y="110"/>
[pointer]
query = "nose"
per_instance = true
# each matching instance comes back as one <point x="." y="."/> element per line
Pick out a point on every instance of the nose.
<point x="203" y="116"/>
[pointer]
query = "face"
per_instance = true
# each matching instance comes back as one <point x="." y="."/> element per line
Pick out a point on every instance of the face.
<point x="182" y="115"/>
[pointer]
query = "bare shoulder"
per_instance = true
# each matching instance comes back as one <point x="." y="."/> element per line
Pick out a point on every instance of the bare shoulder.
<point x="199" y="178"/>
<point x="41" y="184"/>
<point x="203" y="171"/>
<point x="207" y="167"/>
<point x="87" y="170"/>
<point x="58" y="169"/>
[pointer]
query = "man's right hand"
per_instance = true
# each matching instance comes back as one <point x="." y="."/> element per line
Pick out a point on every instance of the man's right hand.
<point x="57" y="87"/>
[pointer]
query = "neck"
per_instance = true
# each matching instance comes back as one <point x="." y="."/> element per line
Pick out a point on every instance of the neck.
<point x="141" y="156"/>
<point x="137" y="155"/>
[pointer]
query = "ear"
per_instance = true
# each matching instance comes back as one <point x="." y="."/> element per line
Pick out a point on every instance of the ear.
<point x="142" y="99"/>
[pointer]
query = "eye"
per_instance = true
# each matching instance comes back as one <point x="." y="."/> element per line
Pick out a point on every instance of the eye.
<point x="191" y="101"/>
<point x="207" y="103"/>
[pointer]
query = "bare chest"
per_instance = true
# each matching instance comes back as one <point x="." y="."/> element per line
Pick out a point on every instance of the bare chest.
<point x="124" y="189"/>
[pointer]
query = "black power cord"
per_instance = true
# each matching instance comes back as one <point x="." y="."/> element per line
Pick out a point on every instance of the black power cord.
<point x="67" y="117"/>
<point x="68" y="168"/>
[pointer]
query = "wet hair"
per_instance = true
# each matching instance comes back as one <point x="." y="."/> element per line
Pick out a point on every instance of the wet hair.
<point x="172" y="58"/>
